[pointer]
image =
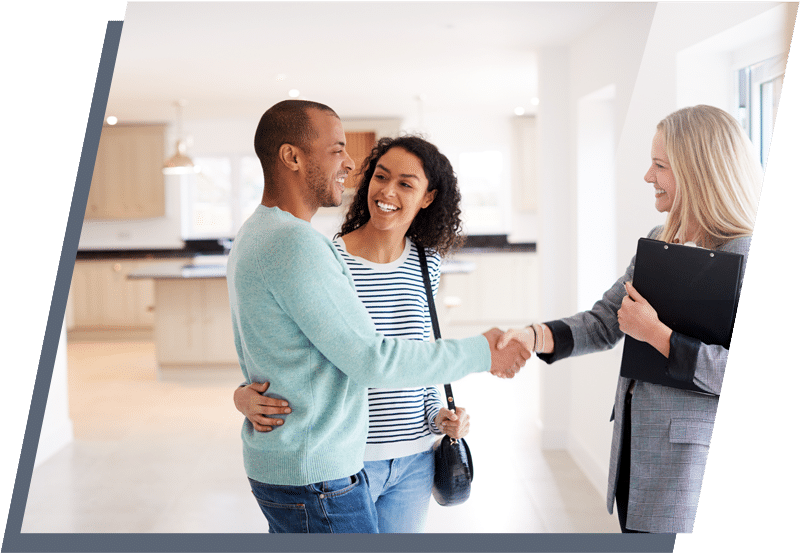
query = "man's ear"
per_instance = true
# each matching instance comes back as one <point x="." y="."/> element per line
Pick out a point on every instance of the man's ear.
<point x="288" y="155"/>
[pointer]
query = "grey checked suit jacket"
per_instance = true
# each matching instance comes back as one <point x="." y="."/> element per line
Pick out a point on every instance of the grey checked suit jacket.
<point x="670" y="428"/>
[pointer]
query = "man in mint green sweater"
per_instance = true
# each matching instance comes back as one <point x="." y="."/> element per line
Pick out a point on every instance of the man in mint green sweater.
<point x="299" y="325"/>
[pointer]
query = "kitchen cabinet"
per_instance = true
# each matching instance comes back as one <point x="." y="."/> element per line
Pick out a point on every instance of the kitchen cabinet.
<point x="500" y="291"/>
<point x="102" y="298"/>
<point x="359" y="146"/>
<point x="193" y="323"/>
<point x="127" y="182"/>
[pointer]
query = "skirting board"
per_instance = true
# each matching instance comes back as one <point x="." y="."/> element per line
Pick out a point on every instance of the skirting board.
<point x="596" y="471"/>
<point x="53" y="440"/>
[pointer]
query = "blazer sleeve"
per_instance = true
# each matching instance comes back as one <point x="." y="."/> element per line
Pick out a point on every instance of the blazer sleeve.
<point x="690" y="360"/>
<point x="693" y="361"/>
<point x="596" y="329"/>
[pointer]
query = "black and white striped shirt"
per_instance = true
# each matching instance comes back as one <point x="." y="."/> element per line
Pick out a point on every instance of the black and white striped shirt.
<point x="401" y="421"/>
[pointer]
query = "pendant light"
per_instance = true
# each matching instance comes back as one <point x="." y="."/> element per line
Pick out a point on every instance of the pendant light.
<point x="179" y="162"/>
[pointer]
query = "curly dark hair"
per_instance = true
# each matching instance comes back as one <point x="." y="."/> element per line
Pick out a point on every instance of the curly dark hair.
<point x="436" y="228"/>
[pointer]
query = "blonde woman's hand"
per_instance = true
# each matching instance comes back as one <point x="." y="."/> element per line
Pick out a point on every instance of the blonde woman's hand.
<point x="524" y="335"/>
<point x="454" y="424"/>
<point x="638" y="319"/>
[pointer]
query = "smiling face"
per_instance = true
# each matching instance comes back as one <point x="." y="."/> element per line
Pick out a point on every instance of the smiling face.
<point x="660" y="175"/>
<point x="398" y="190"/>
<point x="326" y="161"/>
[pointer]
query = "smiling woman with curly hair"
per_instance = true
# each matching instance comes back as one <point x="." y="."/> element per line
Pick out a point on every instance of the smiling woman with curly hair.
<point x="407" y="198"/>
<point x="436" y="227"/>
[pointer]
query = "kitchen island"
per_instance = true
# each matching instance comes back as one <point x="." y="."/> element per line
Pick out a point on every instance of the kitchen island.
<point x="192" y="319"/>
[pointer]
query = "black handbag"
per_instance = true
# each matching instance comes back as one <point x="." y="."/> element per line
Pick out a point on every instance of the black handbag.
<point x="452" y="479"/>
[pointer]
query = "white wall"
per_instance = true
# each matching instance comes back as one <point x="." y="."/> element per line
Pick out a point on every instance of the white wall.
<point x="556" y="231"/>
<point x="577" y="394"/>
<point x="56" y="424"/>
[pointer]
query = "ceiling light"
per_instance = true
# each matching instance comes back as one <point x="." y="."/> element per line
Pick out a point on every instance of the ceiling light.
<point x="111" y="120"/>
<point x="179" y="162"/>
<point x="535" y="101"/>
<point x="519" y="110"/>
<point x="294" y="93"/>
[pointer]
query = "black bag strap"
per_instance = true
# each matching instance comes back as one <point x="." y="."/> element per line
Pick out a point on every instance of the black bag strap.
<point x="423" y="263"/>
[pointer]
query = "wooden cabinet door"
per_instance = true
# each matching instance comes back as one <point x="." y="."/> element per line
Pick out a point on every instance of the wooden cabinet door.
<point x="218" y="326"/>
<point x="359" y="145"/>
<point x="193" y="322"/>
<point x="177" y="331"/>
<point x="142" y="293"/>
<point x="127" y="182"/>
<point x="116" y="304"/>
<point x="102" y="296"/>
<point x="86" y="282"/>
<point x="505" y="306"/>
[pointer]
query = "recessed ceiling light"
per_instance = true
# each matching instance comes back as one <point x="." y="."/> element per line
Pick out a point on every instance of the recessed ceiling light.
<point x="111" y="120"/>
<point x="294" y="93"/>
<point x="519" y="110"/>
<point x="535" y="101"/>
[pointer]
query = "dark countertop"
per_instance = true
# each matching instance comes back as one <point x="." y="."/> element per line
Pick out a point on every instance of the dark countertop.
<point x="206" y="267"/>
<point x="138" y="254"/>
<point x="215" y="267"/>
<point x="478" y="244"/>
<point x="489" y="243"/>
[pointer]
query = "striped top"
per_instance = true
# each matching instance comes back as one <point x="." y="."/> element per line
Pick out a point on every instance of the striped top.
<point x="401" y="421"/>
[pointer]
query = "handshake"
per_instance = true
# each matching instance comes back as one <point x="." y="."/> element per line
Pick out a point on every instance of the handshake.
<point x="509" y="353"/>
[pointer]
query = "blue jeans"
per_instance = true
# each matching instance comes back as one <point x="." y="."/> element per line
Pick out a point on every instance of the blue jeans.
<point x="401" y="490"/>
<point x="336" y="506"/>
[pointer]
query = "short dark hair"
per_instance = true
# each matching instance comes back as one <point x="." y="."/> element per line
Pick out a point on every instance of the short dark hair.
<point x="287" y="122"/>
<point x="436" y="228"/>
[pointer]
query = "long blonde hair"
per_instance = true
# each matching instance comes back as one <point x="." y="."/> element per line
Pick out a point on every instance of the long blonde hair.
<point x="717" y="176"/>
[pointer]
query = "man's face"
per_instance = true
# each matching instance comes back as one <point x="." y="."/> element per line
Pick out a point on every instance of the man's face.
<point x="327" y="161"/>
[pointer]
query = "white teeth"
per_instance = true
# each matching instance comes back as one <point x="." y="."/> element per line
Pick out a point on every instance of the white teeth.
<point x="660" y="191"/>
<point x="386" y="207"/>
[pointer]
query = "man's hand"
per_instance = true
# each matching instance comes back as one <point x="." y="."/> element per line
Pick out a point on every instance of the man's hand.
<point x="251" y="402"/>
<point x="506" y="362"/>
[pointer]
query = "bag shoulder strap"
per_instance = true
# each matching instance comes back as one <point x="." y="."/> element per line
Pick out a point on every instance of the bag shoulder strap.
<point x="423" y="263"/>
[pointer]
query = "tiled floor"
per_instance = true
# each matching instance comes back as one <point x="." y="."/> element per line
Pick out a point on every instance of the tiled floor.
<point x="165" y="456"/>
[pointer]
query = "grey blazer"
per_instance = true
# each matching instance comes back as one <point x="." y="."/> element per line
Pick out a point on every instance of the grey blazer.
<point x="670" y="428"/>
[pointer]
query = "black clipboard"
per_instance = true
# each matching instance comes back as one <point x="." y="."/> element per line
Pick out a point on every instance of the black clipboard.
<point x="695" y="291"/>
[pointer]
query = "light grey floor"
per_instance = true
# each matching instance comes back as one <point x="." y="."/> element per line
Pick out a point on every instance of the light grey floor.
<point x="164" y="455"/>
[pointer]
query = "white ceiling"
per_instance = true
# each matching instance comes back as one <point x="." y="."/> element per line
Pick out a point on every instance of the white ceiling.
<point x="364" y="59"/>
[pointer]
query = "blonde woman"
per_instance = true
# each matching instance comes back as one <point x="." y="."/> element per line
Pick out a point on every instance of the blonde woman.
<point x="707" y="179"/>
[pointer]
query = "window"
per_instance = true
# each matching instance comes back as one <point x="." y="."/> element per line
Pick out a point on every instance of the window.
<point x="217" y="200"/>
<point x="479" y="181"/>
<point x="759" y="92"/>
<point x="221" y="196"/>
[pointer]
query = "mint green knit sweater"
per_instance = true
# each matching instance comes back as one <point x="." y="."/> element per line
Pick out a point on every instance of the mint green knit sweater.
<point x="299" y="325"/>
